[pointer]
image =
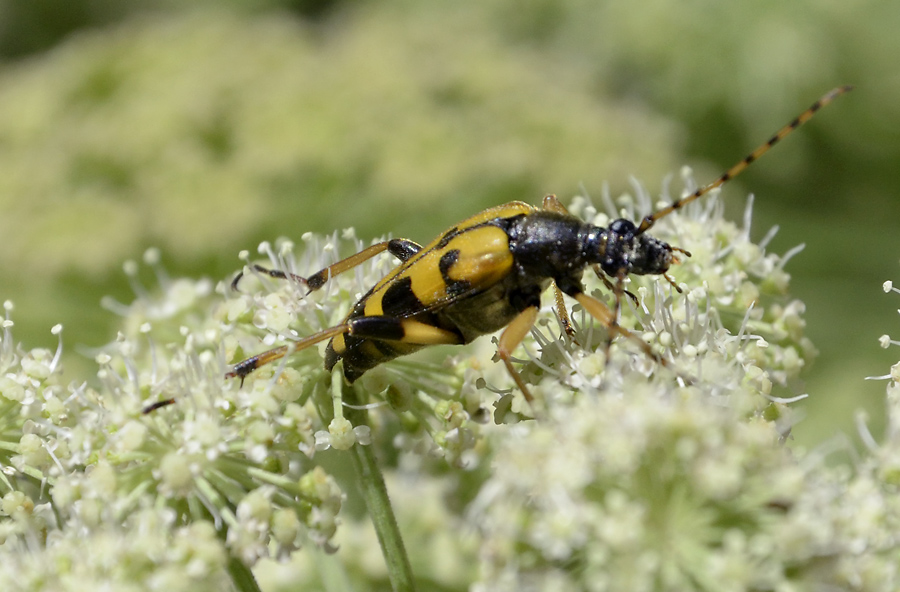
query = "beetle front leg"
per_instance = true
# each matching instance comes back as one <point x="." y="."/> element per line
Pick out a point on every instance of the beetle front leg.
<point x="598" y="271"/>
<point x="608" y="319"/>
<point x="563" y="314"/>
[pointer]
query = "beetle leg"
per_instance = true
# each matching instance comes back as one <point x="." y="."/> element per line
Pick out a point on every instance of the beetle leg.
<point x="401" y="248"/>
<point x="563" y="314"/>
<point x="245" y="367"/>
<point x="511" y="337"/>
<point x="608" y="318"/>
<point x="275" y="273"/>
<point x="382" y="328"/>
<point x="612" y="288"/>
<point x="552" y="203"/>
<point x="158" y="405"/>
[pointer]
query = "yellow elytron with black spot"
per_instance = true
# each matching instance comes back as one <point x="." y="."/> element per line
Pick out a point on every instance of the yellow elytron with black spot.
<point x="489" y="272"/>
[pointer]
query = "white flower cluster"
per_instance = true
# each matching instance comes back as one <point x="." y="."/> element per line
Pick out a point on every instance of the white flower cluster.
<point x="148" y="550"/>
<point x="654" y="487"/>
<point x="652" y="483"/>
<point x="82" y="460"/>
<point x="626" y="473"/>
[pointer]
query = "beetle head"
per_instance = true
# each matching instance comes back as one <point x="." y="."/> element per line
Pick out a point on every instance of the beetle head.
<point x="629" y="251"/>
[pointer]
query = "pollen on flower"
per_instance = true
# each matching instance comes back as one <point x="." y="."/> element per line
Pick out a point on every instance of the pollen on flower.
<point x="102" y="480"/>
<point x="131" y="437"/>
<point x="285" y="526"/>
<point x="16" y="502"/>
<point x="31" y="452"/>
<point x="256" y="506"/>
<point x="38" y="363"/>
<point x="285" y="248"/>
<point x="175" y="474"/>
<point x="204" y="434"/>
<point x="236" y="308"/>
<point x="12" y="390"/>
<point x="341" y="433"/>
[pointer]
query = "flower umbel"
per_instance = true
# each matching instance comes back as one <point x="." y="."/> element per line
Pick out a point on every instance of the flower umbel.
<point x="233" y="461"/>
<point x="626" y="473"/>
<point x="648" y="485"/>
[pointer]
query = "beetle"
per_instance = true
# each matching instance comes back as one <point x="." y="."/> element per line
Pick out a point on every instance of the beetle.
<point x="488" y="273"/>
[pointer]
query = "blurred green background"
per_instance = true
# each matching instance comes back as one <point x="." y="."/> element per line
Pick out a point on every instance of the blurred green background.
<point x="202" y="128"/>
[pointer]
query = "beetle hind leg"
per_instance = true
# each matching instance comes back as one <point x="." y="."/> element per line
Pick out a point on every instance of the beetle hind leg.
<point x="243" y="368"/>
<point x="275" y="273"/>
<point x="401" y="248"/>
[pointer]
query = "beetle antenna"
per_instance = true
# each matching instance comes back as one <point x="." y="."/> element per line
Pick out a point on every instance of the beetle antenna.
<point x="737" y="169"/>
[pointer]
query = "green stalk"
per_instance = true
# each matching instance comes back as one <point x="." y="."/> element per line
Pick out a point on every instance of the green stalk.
<point x="241" y="576"/>
<point x="374" y="492"/>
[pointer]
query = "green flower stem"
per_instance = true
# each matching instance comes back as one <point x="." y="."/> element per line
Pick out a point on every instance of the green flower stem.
<point x="241" y="576"/>
<point x="371" y="484"/>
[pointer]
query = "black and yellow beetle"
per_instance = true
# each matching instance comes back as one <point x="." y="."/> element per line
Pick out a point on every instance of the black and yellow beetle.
<point x="488" y="272"/>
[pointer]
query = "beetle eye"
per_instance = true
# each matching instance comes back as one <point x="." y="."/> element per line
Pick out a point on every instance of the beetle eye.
<point x="622" y="226"/>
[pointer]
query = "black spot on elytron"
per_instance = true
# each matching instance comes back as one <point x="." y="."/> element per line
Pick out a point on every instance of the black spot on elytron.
<point x="448" y="236"/>
<point x="447" y="261"/>
<point x="453" y="287"/>
<point x="399" y="300"/>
